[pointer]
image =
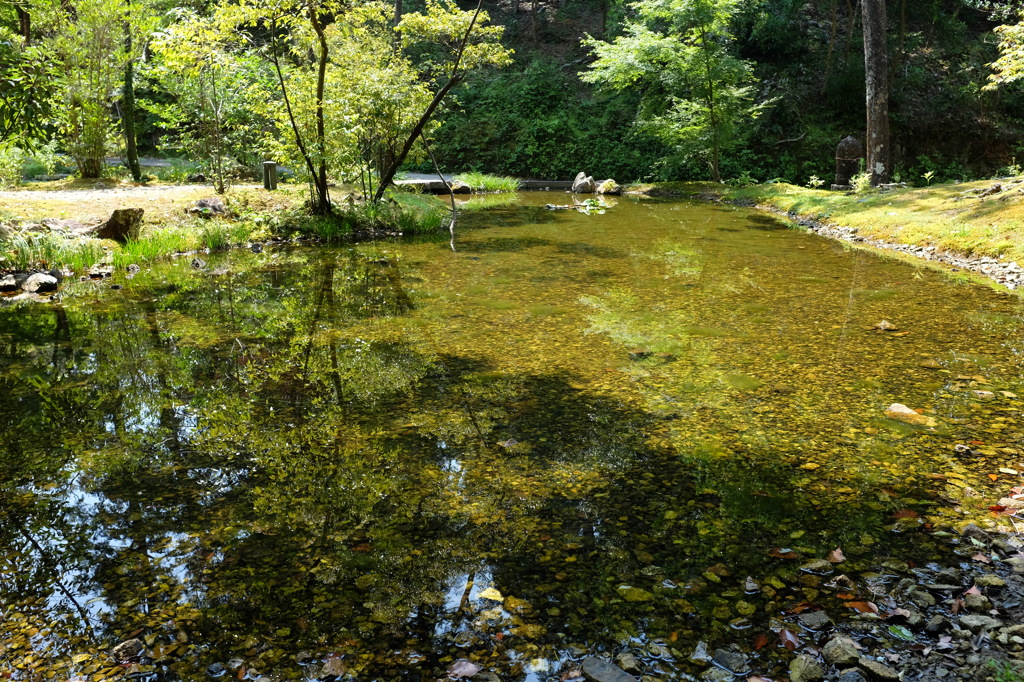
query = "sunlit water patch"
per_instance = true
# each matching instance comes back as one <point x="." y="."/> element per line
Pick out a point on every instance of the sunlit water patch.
<point x="575" y="433"/>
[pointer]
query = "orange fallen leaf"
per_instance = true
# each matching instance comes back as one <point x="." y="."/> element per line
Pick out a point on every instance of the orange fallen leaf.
<point x="994" y="477"/>
<point x="862" y="606"/>
<point x="905" y="514"/>
<point x="760" y="641"/>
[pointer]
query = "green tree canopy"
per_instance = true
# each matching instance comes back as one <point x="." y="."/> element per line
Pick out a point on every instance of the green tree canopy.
<point x="679" y="53"/>
<point x="1010" y="65"/>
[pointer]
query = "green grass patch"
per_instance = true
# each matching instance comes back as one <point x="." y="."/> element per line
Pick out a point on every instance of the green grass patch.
<point x="481" y="182"/>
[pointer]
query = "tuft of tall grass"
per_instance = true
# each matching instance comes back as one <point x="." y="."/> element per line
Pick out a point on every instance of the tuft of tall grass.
<point x="481" y="182"/>
<point x="156" y="244"/>
<point x="23" y="252"/>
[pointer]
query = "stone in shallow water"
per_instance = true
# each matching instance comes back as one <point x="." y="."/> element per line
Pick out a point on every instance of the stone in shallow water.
<point x="700" y="655"/>
<point x="716" y="675"/>
<point x="815" y="620"/>
<point x="840" y="651"/>
<point x="851" y="676"/>
<point x="989" y="581"/>
<point x="634" y="594"/>
<point x="600" y="670"/>
<point x="128" y="649"/>
<point x="901" y="412"/>
<point x="803" y="668"/>
<point x="877" y="671"/>
<point x="628" y="663"/>
<point x="39" y="283"/>
<point x="977" y="623"/>
<point x="820" y="566"/>
<point x="735" y="663"/>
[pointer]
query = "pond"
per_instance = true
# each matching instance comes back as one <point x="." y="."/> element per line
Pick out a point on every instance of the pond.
<point x="618" y="433"/>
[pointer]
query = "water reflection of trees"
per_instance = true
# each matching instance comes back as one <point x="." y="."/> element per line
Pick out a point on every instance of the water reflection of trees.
<point x="257" y="465"/>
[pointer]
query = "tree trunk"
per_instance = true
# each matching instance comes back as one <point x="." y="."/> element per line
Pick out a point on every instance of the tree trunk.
<point x="323" y="193"/>
<point x="533" y="22"/>
<point x="90" y="168"/>
<point x="24" y="24"/>
<point x="131" y="152"/>
<point x="876" y="77"/>
<point x="321" y="199"/>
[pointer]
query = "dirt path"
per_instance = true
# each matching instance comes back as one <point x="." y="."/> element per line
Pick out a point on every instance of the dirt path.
<point x="160" y="202"/>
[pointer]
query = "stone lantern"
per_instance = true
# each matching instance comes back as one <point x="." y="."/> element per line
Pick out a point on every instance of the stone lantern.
<point x="849" y="152"/>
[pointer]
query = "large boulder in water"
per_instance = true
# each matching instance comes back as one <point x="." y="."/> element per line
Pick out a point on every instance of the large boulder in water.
<point x="583" y="184"/>
<point x="40" y="283"/>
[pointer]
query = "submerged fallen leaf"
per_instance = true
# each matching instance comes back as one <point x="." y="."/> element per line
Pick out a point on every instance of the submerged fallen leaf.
<point x="789" y="639"/>
<point x="836" y="556"/>
<point x="901" y="632"/>
<point x="982" y="558"/>
<point x="905" y="514"/>
<point x="863" y="606"/>
<point x="760" y="641"/>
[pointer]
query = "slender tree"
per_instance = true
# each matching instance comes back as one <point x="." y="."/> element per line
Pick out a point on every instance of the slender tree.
<point x="128" y="116"/>
<point x="876" y="80"/>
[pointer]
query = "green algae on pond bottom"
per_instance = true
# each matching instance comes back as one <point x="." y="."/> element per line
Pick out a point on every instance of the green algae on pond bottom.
<point x="331" y="460"/>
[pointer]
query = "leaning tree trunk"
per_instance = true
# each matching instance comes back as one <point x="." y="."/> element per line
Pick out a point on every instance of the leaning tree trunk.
<point x="876" y="80"/>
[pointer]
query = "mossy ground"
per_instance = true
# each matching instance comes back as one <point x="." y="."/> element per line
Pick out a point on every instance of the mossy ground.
<point x="950" y="217"/>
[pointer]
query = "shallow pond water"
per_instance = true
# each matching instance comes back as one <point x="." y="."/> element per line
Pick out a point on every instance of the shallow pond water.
<point x="618" y="432"/>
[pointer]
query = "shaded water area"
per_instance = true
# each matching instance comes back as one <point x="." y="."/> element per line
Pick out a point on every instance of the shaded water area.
<point x="576" y="434"/>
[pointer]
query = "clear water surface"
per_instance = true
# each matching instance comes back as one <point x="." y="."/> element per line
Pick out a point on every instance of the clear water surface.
<point x="575" y="434"/>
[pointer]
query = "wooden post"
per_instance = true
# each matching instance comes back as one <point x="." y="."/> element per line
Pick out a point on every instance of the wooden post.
<point x="270" y="175"/>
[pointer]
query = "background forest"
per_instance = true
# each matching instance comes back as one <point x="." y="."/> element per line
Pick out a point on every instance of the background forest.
<point x="540" y="89"/>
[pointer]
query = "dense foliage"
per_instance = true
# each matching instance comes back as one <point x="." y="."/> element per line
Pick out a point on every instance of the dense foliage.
<point x="655" y="89"/>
